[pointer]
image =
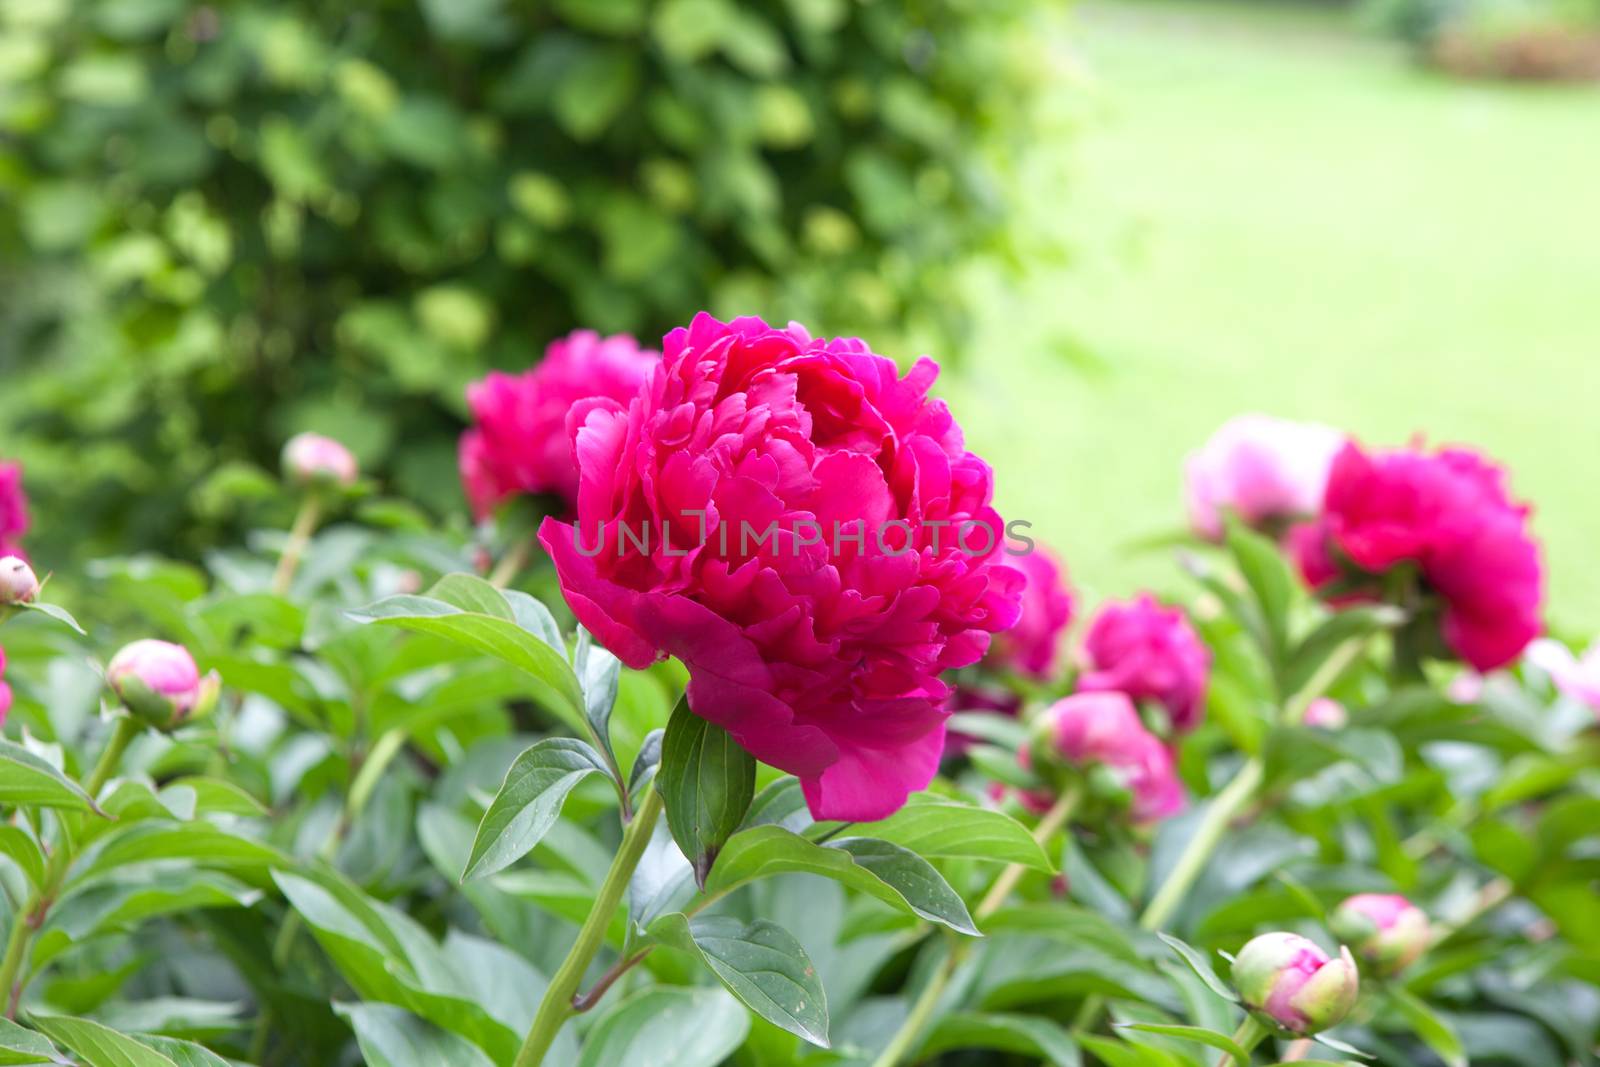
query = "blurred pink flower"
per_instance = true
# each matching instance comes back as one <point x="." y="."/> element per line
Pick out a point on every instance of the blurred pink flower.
<point x="820" y="646"/>
<point x="1449" y="514"/>
<point x="1576" y="677"/>
<point x="1149" y="652"/>
<point x="1030" y="647"/>
<point x="314" y="459"/>
<point x="1327" y="714"/>
<point x="1104" y="728"/>
<point x="1264" y="469"/>
<point x="13" y="510"/>
<point x="1385" y="929"/>
<point x="5" y="690"/>
<point x="522" y="437"/>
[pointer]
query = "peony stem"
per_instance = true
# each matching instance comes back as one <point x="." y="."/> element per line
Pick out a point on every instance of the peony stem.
<point x="557" y="1006"/>
<point x="511" y="564"/>
<point x="1247" y="1037"/>
<point x="31" y="915"/>
<point x="905" y="1039"/>
<point x="305" y="524"/>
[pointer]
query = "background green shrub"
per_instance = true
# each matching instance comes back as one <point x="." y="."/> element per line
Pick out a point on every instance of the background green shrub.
<point x="221" y="224"/>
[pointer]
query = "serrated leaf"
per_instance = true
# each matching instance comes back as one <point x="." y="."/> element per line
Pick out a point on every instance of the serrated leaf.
<point x="1200" y="966"/>
<point x="759" y="962"/>
<point x="707" y="782"/>
<point x="888" y="872"/>
<point x="99" y="1046"/>
<point x="27" y="780"/>
<point x="945" y="829"/>
<point x="1192" y="1033"/>
<point x="529" y="802"/>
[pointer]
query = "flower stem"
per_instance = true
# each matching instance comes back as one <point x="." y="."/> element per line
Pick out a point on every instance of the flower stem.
<point x="1234" y="796"/>
<point x="1247" y="1037"/>
<point x="305" y="524"/>
<point x="31" y="915"/>
<point x="557" y="1007"/>
<point x="511" y="563"/>
<point x="904" y="1042"/>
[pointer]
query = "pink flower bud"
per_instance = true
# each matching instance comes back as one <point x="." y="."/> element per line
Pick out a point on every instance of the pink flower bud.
<point x="5" y="690"/>
<point x="1327" y="714"/>
<point x="312" y="459"/>
<point x="160" y="683"/>
<point x="1386" y="929"/>
<point x="1291" y="981"/>
<point x="1104" y="729"/>
<point x="1265" y="470"/>
<point x="18" y="583"/>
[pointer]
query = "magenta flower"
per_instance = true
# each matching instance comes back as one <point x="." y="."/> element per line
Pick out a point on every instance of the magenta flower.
<point x="805" y="531"/>
<point x="1104" y="728"/>
<point x="5" y="690"/>
<point x="1447" y="514"/>
<point x="312" y="459"/>
<point x="13" y="510"/>
<point x="160" y="683"/>
<point x="1386" y="929"/>
<point x="522" y="440"/>
<point x="1576" y="677"/>
<point x="1149" y="652"/>
<point x="1265" y="470"/>
<point x="1289" y="979"/>
<point x="1031" y="645"/>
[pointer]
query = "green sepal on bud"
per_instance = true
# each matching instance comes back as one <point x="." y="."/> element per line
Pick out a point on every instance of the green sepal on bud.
<point x="1292" y="985"/>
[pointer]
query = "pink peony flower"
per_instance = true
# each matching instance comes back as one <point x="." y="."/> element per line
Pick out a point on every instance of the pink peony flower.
<point x="1104" y="728"/>
<point x="1265" y="470"/>
<point x="1326" y="713"/>
<point x="1289" y="979"/>
<point x="5" y="690"/>
<point x="523" y="438"/>
<point x="1031" y="645"/>
<point x="1386" y="929"/>
<point x="818" y="546"/>
<point x="13" y="510"/>
<point x="160" y="683"/>
<point x="1448" y="514"/>
<point x="312" y="459"/>
<point x="1576" y="677"/>
<point x="1149" y="652"/>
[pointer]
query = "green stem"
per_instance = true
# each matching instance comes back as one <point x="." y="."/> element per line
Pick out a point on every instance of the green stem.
<point x="1247" y="1037"/>
<point x="1234" y="796"/>
<point x="31" y="915"/>
<point x="557" y="1005"/>
<point x="305" y="524"/>
<point x="1053" y="820"/>
<point x="511" y="563"/>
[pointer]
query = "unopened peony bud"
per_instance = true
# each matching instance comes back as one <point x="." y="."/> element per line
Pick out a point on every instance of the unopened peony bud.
<point x="1385" y="929"/>
<point x="1289" y="980"/>
<point x="310" y="459"/>
<point x="160" y="683"/>
<point x="18" y="583"/>
<point x="1327" y="714"/>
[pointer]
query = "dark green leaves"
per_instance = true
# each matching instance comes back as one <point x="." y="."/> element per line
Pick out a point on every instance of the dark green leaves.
<point x="529" y="801"/>
<point x="759" y="962"/>
<point x="707" y="782"/>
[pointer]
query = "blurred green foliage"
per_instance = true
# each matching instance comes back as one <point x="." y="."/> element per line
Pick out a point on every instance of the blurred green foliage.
<point x="224" y="223"/>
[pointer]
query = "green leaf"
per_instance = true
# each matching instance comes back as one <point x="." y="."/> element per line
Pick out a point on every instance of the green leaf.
<point x="686" y="1027"/>
<point x="598" y="673"/>
<point x="1192" y="1033"/>
<point x="1344" y="625"/>
<point x="1022" y="1035"/>
<point x="529" y="802"/>
<point x="202" y="842"/>
<point x="935" y="828"/>
<point x="492" y="631"/>
<point x="1115" y="1054"/>
<point x="19" y="1045"/>
<point x="707" y="782"/>
<point x="646" y="763"/>
<point x="99" y="1046"/>
<point x="759" y="962"/>
<point x="27" y="780"/>
<point x="1266" y="572"/>
<point x="1434" y="1031"/>
<point x="58" y="613"/>
<point x="393" y="1037"/>
<point x="1200" y="966"/>
<point x="781" y="803"/>
<point x="1340" y="1046"/>
<point x="183" y="1053"/>
<point x="888" y="872"/>
<point x="17" y="846"/>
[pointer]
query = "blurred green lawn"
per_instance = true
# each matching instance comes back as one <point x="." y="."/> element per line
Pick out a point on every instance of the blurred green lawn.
<point x="1274" y="213"/>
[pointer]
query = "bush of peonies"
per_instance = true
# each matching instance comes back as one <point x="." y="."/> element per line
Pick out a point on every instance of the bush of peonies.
<point x="777" y="737"/>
